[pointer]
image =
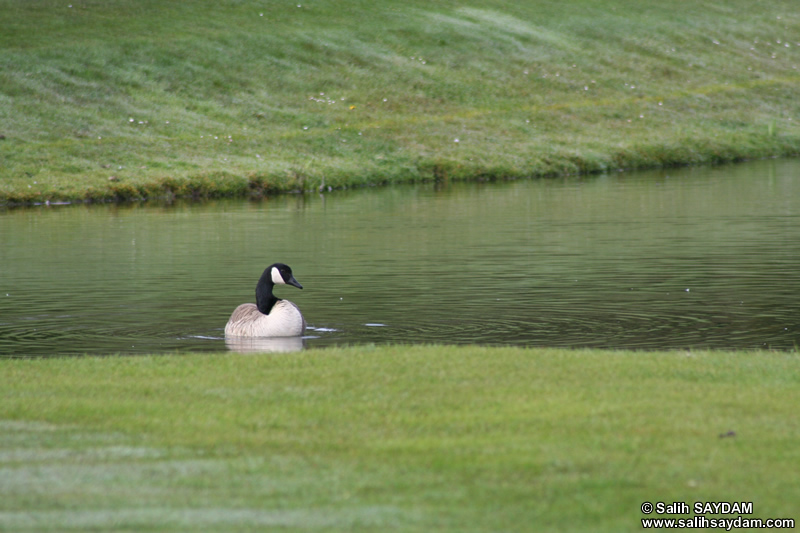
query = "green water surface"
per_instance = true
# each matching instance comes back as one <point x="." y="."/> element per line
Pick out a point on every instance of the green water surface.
<point x="677" y="258"/>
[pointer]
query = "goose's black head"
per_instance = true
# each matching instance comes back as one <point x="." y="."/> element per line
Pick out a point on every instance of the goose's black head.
<point x="275" y="274"/>
<point x="281" y="274"/>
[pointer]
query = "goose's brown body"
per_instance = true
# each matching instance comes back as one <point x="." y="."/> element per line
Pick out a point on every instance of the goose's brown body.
<point x="284" y="320"/>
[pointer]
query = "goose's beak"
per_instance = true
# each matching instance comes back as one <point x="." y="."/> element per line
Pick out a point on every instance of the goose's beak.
<point x="294" y="283"/>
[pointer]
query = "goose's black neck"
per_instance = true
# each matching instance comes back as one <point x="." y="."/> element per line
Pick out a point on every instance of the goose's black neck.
<point x="264" y="297"/>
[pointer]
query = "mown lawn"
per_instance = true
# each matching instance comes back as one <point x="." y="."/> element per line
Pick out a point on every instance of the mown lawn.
<point x="118" y="100"/>
<point x="393" y="438"/>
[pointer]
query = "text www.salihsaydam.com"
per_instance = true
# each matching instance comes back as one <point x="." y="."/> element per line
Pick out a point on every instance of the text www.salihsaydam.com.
<point x="727" y="523"/>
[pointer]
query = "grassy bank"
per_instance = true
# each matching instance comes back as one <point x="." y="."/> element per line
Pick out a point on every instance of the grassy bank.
<point x="119" y="100"/>
<point x="393" y="438"/>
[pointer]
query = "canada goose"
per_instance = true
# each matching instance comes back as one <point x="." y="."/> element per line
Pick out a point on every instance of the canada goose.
<point x="269" y="316"/>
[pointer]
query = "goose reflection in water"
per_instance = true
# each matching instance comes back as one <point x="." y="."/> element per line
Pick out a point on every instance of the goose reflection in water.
<point x="264" y="344"/>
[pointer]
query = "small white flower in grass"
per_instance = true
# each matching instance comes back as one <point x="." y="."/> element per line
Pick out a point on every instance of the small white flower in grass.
<point x="585" y="87"/>
<point x="456" y="140"/>
<point x="385" y="100"/>
<point x="131" y="120"/>
<point x="258" y="156"/>
<point x="305" y="127"/>
<point x="261" y="14"/>
<point x="641" y="116"/>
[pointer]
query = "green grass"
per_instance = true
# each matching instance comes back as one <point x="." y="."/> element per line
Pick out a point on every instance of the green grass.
<point x="393" y="439"/>
<point x="225" y="98"/>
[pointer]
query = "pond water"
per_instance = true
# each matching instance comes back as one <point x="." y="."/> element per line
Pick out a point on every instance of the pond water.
<point x="678" y="258"/>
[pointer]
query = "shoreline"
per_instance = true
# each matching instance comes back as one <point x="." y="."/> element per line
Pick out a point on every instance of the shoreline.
<point x="164" y="192"/>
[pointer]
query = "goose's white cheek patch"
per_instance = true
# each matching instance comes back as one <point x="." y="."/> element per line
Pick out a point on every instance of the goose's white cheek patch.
<point x="277" y="279"/>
